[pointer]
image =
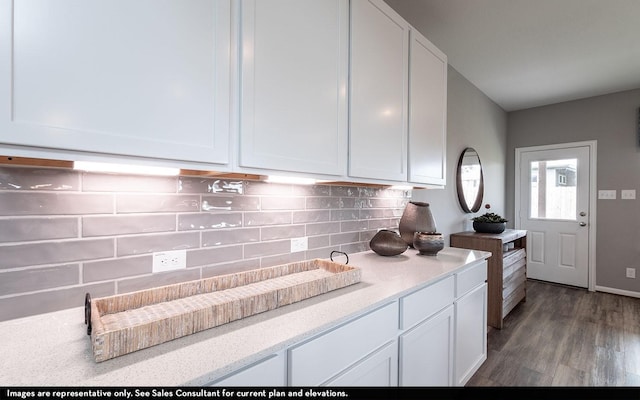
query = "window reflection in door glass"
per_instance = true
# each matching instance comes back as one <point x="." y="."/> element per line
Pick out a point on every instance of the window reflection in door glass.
<point x="553" y="189"/>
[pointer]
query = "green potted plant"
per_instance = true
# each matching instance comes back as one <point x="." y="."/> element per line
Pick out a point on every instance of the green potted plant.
<point x="489" y="223"/>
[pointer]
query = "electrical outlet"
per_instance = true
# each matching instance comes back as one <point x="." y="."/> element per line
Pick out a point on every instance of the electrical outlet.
<point x="628" y="194"/>
<point x="299" y="244"/>
<point x="606" y="194"/>
<point x="631" y="273"/>
<point x="169" y="260"/>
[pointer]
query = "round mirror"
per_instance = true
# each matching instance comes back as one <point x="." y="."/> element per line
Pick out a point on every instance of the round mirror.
<point x="469" y="181"/>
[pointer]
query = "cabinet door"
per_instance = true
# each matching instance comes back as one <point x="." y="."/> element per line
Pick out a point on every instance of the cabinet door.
<point x="379" y="369"/>
<point x="329" y="354"/>
<point x="268" y="372"/>
<point x="294" y="78"/>
<point x="426" y="352"/>
<point x="379" y="85"/>
<point x="141" y="78"/>
<point x="427" y="112"/>
<point x="470" y="334"/>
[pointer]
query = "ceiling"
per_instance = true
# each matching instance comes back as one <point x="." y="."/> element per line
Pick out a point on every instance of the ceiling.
<point x="528" y="53"/>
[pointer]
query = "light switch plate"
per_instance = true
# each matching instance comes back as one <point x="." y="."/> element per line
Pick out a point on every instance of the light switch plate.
<point x="606" y="194"/>
<point x="628" y="194"/>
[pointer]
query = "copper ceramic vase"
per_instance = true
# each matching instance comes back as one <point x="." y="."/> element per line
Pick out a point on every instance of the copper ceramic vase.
<point x="416" y="217"/>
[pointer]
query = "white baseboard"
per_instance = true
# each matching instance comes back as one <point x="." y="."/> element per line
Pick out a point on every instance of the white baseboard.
<point x="617" y="291"/>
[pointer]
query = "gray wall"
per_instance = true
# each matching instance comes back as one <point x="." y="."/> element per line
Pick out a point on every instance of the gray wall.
<point x="612" y="120"/>
<point x="64" y="233"/>
<point x="473" y="120"/>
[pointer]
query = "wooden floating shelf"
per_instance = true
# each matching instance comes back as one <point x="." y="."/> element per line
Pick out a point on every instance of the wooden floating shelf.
<point x="129" y="322"/>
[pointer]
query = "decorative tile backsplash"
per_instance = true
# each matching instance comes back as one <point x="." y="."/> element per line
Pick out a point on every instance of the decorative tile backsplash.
<point x="64" y="233"/>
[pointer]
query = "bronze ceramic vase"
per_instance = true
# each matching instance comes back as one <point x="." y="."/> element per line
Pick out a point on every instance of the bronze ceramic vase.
<point x="416" y="217"/>
<point x="428" y="243"/>
<point x="387" y="243"/>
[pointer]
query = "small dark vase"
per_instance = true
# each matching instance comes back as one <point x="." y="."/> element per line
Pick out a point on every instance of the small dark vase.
<point x="416" y="217"/>
<point x="428" y="243"/>
<point x="387" y="243"/>
<point x="489" y="227"/>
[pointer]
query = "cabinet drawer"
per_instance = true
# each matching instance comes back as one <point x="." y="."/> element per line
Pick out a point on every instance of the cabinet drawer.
<point x="323" y="357"/>
<point x="470" y="278"/>
<point x="513" y="268"/>
<point x="515" y="280"/>
<point x="513" y="299"/>
<point x="425" y="302"/>
<point x="513" y="256"/>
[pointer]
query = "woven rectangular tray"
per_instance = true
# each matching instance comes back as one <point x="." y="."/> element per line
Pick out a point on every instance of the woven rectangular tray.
<point x="129" y="322"/>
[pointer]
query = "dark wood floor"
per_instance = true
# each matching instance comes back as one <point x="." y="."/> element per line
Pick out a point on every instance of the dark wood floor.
<point x="565" y="336"/>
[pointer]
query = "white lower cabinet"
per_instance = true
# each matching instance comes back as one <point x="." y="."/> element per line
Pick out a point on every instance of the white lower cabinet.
<point x="470" y="324"/>
<point x="271" y="371"/>
<point x="426" y="352"/>
<point x="325" y="357"/>
<point x="433" y="336"/>
<point x="378" y="369"/>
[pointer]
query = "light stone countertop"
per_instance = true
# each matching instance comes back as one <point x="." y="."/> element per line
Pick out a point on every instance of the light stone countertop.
<point x="53" y="349"/>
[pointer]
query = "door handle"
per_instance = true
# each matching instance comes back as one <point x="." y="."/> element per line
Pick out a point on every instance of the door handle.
<point x="582" y="224"/>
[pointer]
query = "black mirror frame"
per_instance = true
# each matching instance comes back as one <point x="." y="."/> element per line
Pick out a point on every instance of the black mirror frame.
<point x="463" y="203"/>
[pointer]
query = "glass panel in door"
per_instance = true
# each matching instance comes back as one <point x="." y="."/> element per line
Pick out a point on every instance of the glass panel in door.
<point x="553" y="189"/>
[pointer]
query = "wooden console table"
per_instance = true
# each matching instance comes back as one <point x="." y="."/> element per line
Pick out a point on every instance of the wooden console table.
<point x="507" y="266"/>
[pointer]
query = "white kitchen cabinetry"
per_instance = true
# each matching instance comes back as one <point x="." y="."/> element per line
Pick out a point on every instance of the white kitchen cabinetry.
<point x="294" y="66"/>
<point x="327" y="357"/>
<point x="378" y="92"/>
<point x="268" y="372"/>
<point x="398" y="99"/>
<point x="378" y="369"/>
<point x="470" y="322"/>
<point x="427" y="112"/>
<point x="146" y="78"/>
<point x="426" y="350"/>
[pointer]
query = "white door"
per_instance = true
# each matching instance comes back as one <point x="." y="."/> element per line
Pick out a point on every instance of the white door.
<point x="554" y="205"/>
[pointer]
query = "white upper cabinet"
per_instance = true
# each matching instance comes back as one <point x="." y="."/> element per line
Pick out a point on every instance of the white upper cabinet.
<point x="378" y="95"/>
<point x="137" y="78"/>
<point x="427" y="112"/>
<point x="294" y="65"/>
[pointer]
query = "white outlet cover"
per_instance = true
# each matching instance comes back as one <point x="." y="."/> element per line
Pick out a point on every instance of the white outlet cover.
<point x="169" y="260"/>
<point x="606" y="194"/>
<point x="628" y="194"/>
<point x="299" y="244"/>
